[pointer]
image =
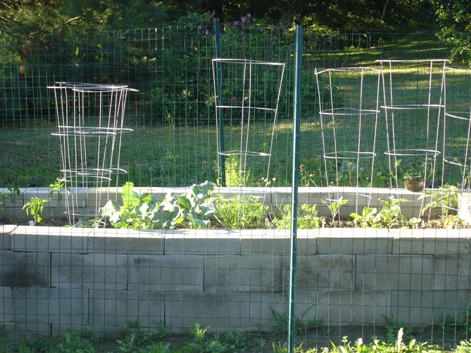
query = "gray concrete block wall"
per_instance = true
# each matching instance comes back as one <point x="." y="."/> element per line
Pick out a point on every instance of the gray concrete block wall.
<point x="60" y="279"/>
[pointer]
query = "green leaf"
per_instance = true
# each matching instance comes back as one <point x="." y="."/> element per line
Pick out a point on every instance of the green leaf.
<point x="130" y="197"/>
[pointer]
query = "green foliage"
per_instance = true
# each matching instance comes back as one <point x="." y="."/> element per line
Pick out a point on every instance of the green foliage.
<point x="369" y="218"/>
<point x="13" y="192"/>
<point x="464" y="347"/>
<point x="334" y="206"/>
<point x="35" y="207"/>
<point x="392" y="327"/>
<point x="192" y="209"/>
<point x="390" y="215"/>
<point x="454" y="19"/>
<point x="307" y="217"/>
<point x="300" y="323"/>
<point x="241" y="212"/>
<point x="446" y="197"/>
<point x="219" y="343"/>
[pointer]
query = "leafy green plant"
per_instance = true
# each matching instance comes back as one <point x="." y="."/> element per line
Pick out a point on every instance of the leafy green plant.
<point x="300" y="323"/>
<point x="242" y="212"/>
<point x="13" y="192"/>
<point x="308" y="217"/>
<point x="446" y="197"/>
<point x="334" y="206"/>
<point x="235" y="176"/>
<point x="56" y="188"/>
<point x="35" y="207"/>
<point x="390" y="215"/>
<point x="369" y="218"/>
<point x="192" y="209"/>
<point x="392" y="327"/>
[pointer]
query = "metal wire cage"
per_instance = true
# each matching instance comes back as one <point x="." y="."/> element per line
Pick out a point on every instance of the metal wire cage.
<point x="413" y="104"/>
<point x="247" y="94"/>
<point x="90" y="125"/>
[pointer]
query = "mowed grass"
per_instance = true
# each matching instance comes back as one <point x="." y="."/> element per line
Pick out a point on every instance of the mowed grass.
<point x="162" y="155"/>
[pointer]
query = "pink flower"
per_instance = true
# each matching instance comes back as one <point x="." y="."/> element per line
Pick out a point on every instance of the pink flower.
<point x="236" y="23"/>
<point x="234" y="98"/>
<point x="200" y="27"/>
<point x="243" y="19"/>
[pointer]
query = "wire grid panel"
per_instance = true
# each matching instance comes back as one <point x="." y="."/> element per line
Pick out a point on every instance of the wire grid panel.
<point x="457" y="126"/>
<point x="348" y="110"/>
<point x="413" y="105"/>
<point x="90" y="124"/>
<point x="247" y="94"/>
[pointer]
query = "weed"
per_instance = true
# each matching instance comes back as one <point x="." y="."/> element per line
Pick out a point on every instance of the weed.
<point x="300" y="323"/>
<point x="307" y="217"/>
<point x="392" y="328"/>
<point x="447" y="323"/>
<point x="241" y="212"/>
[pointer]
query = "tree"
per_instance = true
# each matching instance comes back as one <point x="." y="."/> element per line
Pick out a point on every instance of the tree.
<point x="454" y="19"/>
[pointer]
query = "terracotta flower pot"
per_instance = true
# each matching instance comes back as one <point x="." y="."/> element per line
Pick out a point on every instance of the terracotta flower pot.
<point x="414" y="185"/>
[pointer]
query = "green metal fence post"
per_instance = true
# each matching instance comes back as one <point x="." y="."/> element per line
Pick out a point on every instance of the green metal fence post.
<point x="295" y="182"/>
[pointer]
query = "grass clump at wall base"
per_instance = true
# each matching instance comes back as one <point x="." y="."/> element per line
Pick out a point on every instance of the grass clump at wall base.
<point x="199" y="340"/>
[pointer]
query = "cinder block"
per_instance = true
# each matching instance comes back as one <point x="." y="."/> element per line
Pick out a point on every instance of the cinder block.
<point x="281" y="196"/>
<point x="111" y="310"/>
<point x="6" y="309"/>
<point x="98" y="197"/>
<point x="269" y="241"/>
<point x="429" y="241"/>
<point x="354" y="241"/>
<point x="223" y="311"/>
<point x="28" y="330"/>
<point x="24" y="269"/>
<point x="322" y="272"/>
<point x="353" y="307"/>
<point x="11" y="199"/>
<point x="419" y="307"/>
<point x="89" y="271"/>
<point x="307" y="242"/>
<point x="5" y="236"/>
<point x="126" y="241"/>
<point x="11" y="203"/>
<point x="65" y="239"/>
<point x="256" y="272"/>
<point x="451" y="272"/>
<point x="171" y="273"/>
<point x="50" y="306"/>
<point x="394" y="272"/>
<point x="77" y="194"/>
<point x="202" y="242"/>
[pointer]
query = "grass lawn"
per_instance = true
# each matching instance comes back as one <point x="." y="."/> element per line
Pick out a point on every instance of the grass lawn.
<point x="161" y="155"/>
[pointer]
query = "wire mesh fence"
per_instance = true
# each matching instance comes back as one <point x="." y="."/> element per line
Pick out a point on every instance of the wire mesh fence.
<point x="362" y="281"/>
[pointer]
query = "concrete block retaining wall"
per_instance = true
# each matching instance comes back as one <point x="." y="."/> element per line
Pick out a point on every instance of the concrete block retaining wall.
<point x="60" y="279"/>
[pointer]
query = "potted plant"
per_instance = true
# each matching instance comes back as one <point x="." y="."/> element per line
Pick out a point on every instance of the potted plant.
<point x="412" y="175"/>
<point x="414" y="180"/>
